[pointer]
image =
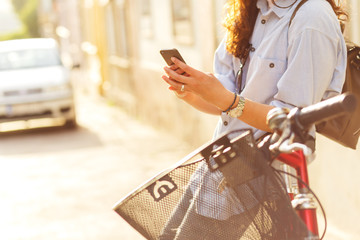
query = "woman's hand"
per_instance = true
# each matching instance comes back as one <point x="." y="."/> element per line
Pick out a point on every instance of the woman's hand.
<point x="211" y="96"/>
<point x="184" y="79"/>
<point x="180" y="94"/>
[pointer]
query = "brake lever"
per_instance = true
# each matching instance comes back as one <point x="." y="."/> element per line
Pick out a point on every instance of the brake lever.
<point x="283" y="138"/>
<point x="287" y="147"/>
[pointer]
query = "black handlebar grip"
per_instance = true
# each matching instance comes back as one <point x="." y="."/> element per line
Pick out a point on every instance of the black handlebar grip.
<point x="330" y="108"/>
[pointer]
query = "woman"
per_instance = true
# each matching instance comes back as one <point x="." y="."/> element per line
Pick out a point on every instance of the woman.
<point x="284" y="66"/>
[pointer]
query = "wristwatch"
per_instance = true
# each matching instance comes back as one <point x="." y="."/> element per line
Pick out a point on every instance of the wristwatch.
<point x="238" y="110"/>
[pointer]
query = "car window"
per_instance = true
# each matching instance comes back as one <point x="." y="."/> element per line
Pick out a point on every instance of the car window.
<point x="31" y="58"/>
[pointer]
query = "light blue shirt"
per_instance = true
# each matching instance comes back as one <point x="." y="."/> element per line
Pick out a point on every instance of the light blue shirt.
<point x="288" y="67"/>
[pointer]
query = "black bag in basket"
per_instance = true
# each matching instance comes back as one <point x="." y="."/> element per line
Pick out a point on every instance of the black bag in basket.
<point x="224" y="190"/>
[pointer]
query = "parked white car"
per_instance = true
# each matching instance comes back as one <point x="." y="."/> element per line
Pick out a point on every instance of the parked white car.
<point x="33" y="82"/>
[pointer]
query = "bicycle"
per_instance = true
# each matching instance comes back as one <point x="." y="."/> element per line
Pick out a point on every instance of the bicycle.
<point x="244" y="197"/>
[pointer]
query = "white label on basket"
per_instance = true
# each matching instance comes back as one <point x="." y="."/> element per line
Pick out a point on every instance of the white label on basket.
<point x="162" y="188"/>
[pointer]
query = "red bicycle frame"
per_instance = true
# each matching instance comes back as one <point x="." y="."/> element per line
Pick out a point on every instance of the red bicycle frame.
<point x="297" y="160"/>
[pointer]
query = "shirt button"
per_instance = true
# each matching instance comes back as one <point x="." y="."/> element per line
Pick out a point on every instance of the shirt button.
<point x="226" y="123"/>
<point x="263" y="21"/>
<point x="271" y="65"/>
<point x="252" y="49"/>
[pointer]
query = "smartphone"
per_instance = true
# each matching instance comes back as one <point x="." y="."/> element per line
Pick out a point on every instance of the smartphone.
<point x="167" y="54"/>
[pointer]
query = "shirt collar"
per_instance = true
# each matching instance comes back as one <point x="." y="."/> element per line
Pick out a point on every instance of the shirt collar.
<point x="262" y="6"/>
<point x="266" y="6"/>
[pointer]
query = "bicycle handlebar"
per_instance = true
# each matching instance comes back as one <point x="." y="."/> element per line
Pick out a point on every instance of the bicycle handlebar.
<point x="330" y="108"/>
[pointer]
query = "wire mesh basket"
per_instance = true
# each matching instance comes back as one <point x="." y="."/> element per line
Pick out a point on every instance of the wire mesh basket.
<point x="224" y="190"/>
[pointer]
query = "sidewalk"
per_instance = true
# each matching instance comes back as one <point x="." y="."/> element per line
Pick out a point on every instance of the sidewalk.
<point x="62" y="184"/>
<point x="136" y="152"/>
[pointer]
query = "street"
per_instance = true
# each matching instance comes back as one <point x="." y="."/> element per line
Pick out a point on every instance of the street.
<point x="62" y="183"/>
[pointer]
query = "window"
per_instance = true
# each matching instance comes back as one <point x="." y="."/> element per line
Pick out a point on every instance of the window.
<point x="182" y="24"/>
<point x="146" y="19"/>
<point x="116" y="24"/>
<point x="31" y="58"/>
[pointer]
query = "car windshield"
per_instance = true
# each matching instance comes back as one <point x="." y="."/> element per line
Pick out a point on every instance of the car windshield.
<point x="31" y="58"/>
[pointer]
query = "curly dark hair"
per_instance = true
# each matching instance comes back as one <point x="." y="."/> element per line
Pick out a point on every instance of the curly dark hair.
<point x="240" y="21"/>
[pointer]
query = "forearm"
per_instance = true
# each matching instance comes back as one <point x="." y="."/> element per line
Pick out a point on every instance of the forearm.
<point x="200" y="104"/>
<point x="253" y="113"/>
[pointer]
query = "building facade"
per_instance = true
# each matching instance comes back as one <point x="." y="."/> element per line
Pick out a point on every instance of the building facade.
<point x="122" y="39"/>
<point x="128" y="36"/>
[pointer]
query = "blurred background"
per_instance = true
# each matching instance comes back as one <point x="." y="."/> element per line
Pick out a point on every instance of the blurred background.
<point x="95" y="119"/>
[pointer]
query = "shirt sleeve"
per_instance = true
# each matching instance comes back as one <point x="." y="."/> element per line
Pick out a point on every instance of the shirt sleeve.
<point x="223" y="67"/>
<point x="312" y="58"/>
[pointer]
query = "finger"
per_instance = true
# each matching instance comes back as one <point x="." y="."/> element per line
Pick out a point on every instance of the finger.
<point x="173" y="67"/>
<point x="180" y="94"/>
<point x="186" y="68"/>
<point x="175" y="76"/>
<point x="173" y="84"/>
<point x="177" y="87"/>
<point x="177" y="69"/>
<point x="177" y="91"/>
<point x="180" y="71"/>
